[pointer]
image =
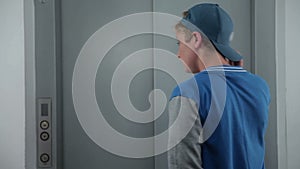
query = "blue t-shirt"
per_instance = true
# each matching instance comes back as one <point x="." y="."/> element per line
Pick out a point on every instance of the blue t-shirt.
<point x="241" y="100"/>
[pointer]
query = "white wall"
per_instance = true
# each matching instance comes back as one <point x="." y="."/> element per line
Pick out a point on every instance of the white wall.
<point x="12" y="89"/>
<point x="293" y="82"/>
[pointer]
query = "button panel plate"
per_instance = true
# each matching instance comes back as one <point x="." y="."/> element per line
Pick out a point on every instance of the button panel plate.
<point x="44" y="148"/>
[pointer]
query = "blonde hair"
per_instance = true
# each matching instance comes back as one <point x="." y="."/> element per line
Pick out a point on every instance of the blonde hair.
<point x="179" y="27"/>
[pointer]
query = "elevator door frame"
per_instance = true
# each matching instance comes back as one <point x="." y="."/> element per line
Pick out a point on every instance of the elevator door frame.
<point x="258" y="52"/>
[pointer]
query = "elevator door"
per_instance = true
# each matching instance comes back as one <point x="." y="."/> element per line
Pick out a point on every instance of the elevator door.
<point x="80" y="20"/>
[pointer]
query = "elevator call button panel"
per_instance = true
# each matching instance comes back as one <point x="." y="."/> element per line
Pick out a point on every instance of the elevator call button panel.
<point x="44" y="132"/>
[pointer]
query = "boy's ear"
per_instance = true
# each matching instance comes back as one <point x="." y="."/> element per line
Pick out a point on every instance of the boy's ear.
<point x="197" y="39"/>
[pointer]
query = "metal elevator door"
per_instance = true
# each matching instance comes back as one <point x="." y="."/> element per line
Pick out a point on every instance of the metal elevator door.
<point x="79" y="21"/>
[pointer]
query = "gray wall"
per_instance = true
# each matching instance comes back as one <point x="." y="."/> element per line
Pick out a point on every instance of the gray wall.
<point x="30" y="94"/>
<point x="292" y="82"/>
<point x="12" y="88"/>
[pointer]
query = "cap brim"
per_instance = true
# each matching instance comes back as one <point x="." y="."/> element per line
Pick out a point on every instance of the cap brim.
<point x="228" y="52"/>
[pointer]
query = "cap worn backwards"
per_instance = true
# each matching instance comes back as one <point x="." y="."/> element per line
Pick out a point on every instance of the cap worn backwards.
<point x="216" y="24"/>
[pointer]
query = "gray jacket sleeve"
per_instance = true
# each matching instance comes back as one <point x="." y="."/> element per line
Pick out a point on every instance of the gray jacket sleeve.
<point x="187" y="153"/>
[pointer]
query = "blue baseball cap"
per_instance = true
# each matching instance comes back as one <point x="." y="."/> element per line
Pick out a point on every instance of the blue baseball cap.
<point x="216" y="24"/>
